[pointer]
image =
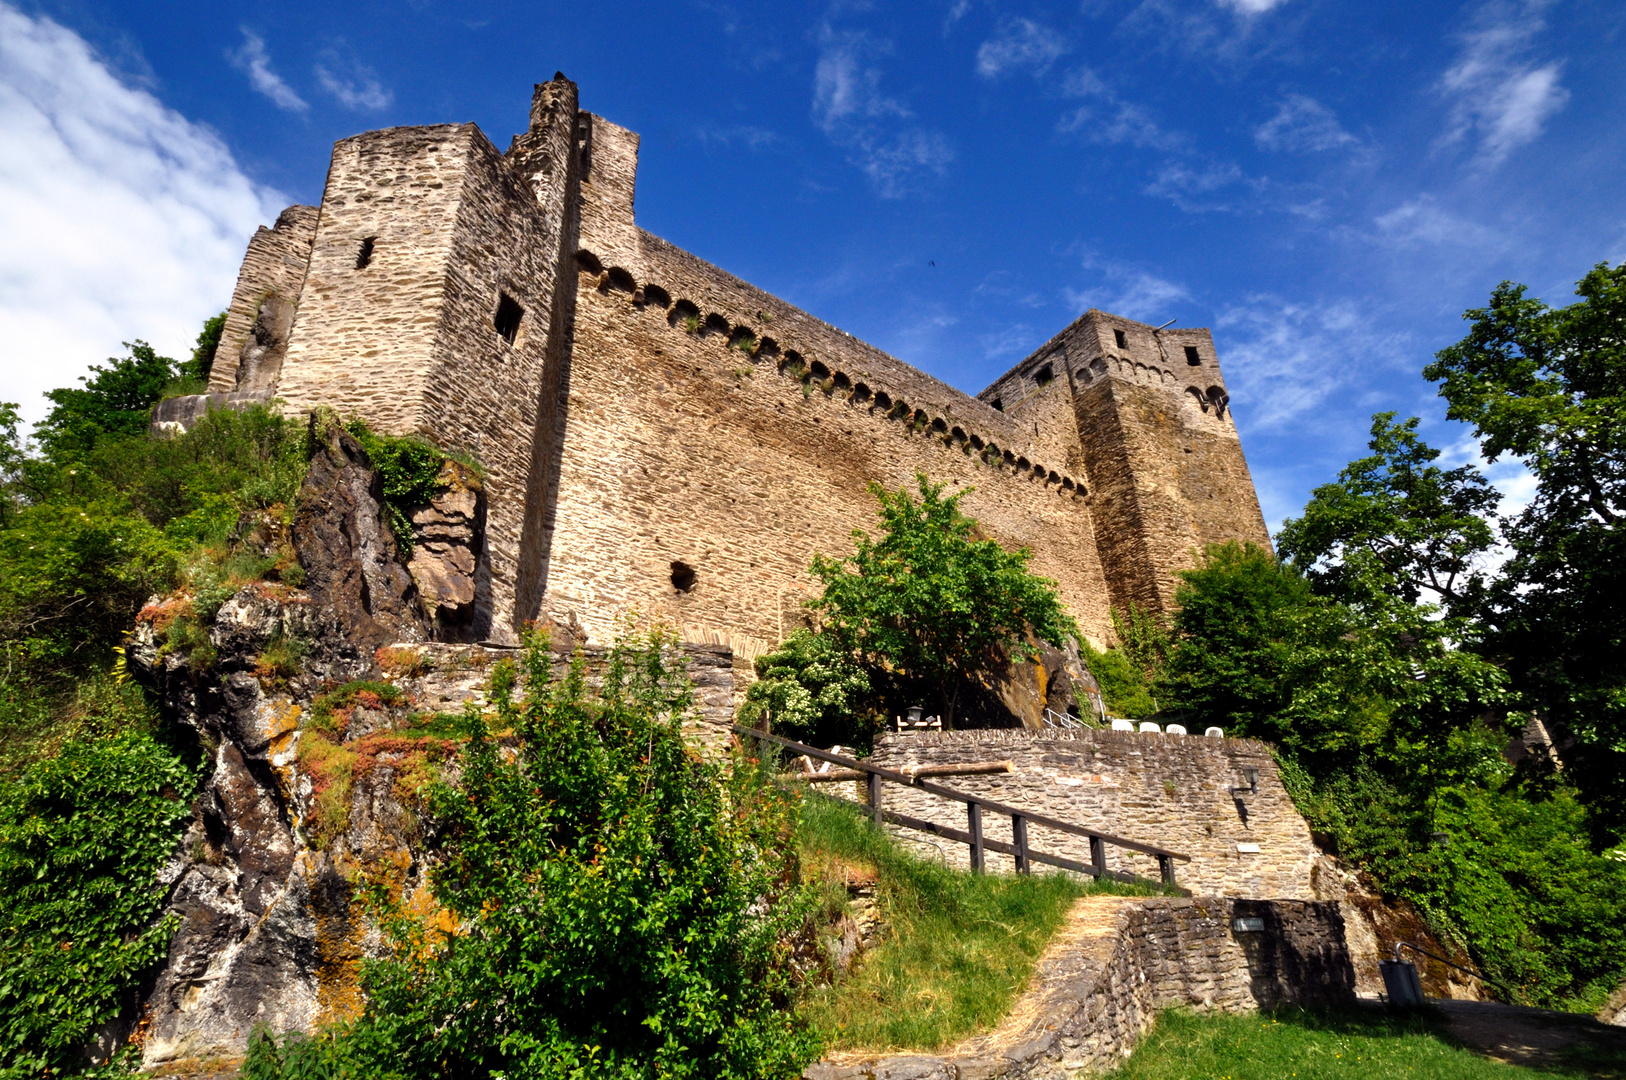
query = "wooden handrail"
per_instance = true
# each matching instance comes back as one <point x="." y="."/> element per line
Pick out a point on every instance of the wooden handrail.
<point x="1164" y="856"/>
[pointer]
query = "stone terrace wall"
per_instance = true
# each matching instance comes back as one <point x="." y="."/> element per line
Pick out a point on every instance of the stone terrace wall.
<point x="1169" y="790"/>
<point x="1116" y="964"/>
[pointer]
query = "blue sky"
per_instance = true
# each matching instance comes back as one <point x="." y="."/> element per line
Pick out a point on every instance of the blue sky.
<point x="1326" y="185"/>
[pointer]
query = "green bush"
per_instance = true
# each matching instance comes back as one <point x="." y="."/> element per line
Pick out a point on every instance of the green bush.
<point x="409" y="467"/>
<point x="82" y="836"/>
<point x="813" y="692"/>
<point x="619" y="904"/>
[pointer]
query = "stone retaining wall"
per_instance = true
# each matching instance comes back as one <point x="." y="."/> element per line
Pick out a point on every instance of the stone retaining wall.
<point x="1173" y="791"/>
<point x="1116" y="964"/>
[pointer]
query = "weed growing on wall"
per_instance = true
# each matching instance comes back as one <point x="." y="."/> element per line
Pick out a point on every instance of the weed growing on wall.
<point x="610" y="904"/>
<point x="410" y="468"/>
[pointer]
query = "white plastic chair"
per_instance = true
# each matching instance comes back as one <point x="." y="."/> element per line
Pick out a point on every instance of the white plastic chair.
<point x="1175" y="729"/>
<point x="1123" y="725"/>
<point x="1149" y="728"/>
<point x="1214" y="733"/>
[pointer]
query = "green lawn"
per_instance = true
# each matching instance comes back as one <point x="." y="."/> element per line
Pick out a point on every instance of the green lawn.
<point x="958" y="947"/>
<point x="1367" y="1043"/>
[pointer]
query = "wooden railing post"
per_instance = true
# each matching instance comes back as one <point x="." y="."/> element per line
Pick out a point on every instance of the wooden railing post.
<point x="1098" y="856"/>
<point x="973" y="815"/>
<point x="1019" y="836"/>
<point x="1165" y="865"/>
<point x="875" y="797"/>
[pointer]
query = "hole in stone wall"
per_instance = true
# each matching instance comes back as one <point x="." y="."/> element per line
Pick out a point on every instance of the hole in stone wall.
<point x="1121" y="338"/>
<point x="1191" y="356"/>
<point x="767" y="348"/>
<point x="1053" y="478"/>
<point x="958" y="435"/>
<point x="938" y="426"/>
<point x="793" y="363"/>
<point x="715" y="324"/>
<point x="622" y="279"/>
<point x="684" y="578"/>
<point x="742" y="339"/>
<point x="819" y="371"/>
<point x="882" y="400"/>
<point x="1067" y="483"/>
<point x="841" y="382"/>
<point x="365" y="255"/>
<point x="861" y="394"/>
<point x="998" y="404"/>
<point x="1045" y="375"/>
<point x="654" y="294"/>
<point x="900" y="409"/>
<point x="1010" y="458"/>
<point x="589" y="262"/>
<point x="685" y="315"/>
<point x="976" y="442"/>
<point x="507" y="318"/>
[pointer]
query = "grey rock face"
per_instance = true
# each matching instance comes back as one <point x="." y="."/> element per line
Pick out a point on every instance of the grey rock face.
<point x="446" y="537"/>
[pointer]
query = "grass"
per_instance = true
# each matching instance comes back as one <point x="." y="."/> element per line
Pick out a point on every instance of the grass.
<point x="958" y="948"/>
<point x="1370" y="1044"/>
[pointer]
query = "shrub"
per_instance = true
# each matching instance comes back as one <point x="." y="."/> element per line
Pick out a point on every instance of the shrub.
<point x="813" y="692"/>
<point x="82" y="836"/>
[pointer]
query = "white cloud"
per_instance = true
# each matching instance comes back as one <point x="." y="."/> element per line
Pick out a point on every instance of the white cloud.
<point x="1021" y="45"/>
<point x="360" y="91"/>
<point x="1423" y="222"/>
<point x="121" y="218"/>
<point x="1127" y="290"/>
<point x="1303" y="125"/>
<point x="1196" y="188"/>
<point x="1250" y="7"/>
<point x="1106" y="118"/>
<point x="851" y="108"/>
<point x="1500" y="97"/>
<point x="255" y="62"/>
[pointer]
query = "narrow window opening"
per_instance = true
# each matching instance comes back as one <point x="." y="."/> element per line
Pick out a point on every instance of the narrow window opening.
<point x="1121" y="338"/>
<point x="1191" y="356"/>
<point x="998" y="403"/>
<point x="683" y="577"/>
<point x="365" y="255"/>
<point x="508" y="317"/>
<point x="1045" y="375"/>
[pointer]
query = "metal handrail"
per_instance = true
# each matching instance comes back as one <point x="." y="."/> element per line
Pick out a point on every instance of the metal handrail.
<point x="1449" y="963"/>
<point x="975" y="804"/>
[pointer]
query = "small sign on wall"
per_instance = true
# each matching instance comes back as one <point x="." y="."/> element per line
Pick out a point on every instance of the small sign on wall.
<point x="1248" y="925"/>
<point x="1248" y="849"/>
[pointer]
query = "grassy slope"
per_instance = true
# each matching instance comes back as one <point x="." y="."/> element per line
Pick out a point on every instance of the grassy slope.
<point x="1368" y="1044"/>
<point x="958" y="948"/>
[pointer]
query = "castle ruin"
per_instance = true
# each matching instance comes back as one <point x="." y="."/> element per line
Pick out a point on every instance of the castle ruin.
<point x="663" y="437"/>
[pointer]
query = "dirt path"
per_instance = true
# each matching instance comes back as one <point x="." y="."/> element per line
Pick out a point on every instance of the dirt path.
<point x="1536" y="1037"/>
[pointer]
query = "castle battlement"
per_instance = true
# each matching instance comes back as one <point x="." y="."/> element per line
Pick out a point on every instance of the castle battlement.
<point x="661" y="436"/>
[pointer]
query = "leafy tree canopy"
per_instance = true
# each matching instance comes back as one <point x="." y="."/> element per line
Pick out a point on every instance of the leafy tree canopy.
<point x="931" y="598"/>
<point x="814" y="692"/>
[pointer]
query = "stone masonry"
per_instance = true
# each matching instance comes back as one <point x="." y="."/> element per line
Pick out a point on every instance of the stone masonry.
<point x="1115" y="964"/>
<point x="661" y="437"/>
<point x="1183" y="793"/>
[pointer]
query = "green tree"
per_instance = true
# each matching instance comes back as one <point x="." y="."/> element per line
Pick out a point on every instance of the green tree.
<point x="196" y="369"/>
<point x="1548" y="386"/>
<point x="621" y="905"/>
<point x="1423" y="527"/>
<point x="933" y="600"/>
<point x="116" y="400"/>
<point x="812" y="691"/>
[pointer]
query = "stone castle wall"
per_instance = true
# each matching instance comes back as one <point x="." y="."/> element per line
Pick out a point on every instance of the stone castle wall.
<point x="663" y="437"/>
<point x="1172" y="791"/>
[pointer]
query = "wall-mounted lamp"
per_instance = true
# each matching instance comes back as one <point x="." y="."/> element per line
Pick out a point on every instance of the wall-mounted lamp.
<point x="1252" y="777"/>
<point x="1440" y="839"/>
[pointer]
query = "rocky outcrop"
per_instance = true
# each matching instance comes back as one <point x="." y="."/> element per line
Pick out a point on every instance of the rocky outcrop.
<point x="446" y="543"/>
<point x="353" y="567"/>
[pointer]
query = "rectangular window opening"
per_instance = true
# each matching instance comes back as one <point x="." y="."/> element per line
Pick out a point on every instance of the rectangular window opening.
<point x="1121" y="338"/>
<point x="1045" y="375"/>
<point x="1191" y="356"/>
<point x="508" y="316"/>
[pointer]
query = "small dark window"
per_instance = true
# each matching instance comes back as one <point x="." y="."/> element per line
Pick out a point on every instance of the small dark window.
<point x="1045" y="375"/>
<point x="1191" y="356"/>
<point x="1121" y="338"/>
<point x="509" y="313"/>
<point x="684" y="577"/>
<point x="365" y="255"/>
<point x="998" y="404"/>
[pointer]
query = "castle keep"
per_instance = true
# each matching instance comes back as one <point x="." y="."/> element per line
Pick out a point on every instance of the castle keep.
<point x="663" y="437"/>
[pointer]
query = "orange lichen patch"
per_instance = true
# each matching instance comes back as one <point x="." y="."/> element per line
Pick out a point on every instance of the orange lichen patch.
<point x="404" y="661"/>
<point x="279" y="593"/>
<point x="340" y="932"/>
<point x="163" y="614"/>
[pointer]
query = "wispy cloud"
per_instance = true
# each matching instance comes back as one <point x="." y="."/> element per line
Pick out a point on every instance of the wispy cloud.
<point x="1204" y="186"/>
<point x="1107" y="118"/>
<point x="1021" y="46"/>
<point x="746" y="135"/>
<point x="1126" y="290"/>
<point x="850" y="106"/>
<point x="1501" y="98"/>
<point x="122" y="218"/>
<point x="1250" y="7"/>
<point x="255" y="62"/>
<point x="1423" y="222"/>
<point x="1303" y="125"/>
<point x="358" y="89"/>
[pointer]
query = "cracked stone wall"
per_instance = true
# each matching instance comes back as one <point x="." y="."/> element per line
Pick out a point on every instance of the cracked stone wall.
<point x="1169" y="790"/>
